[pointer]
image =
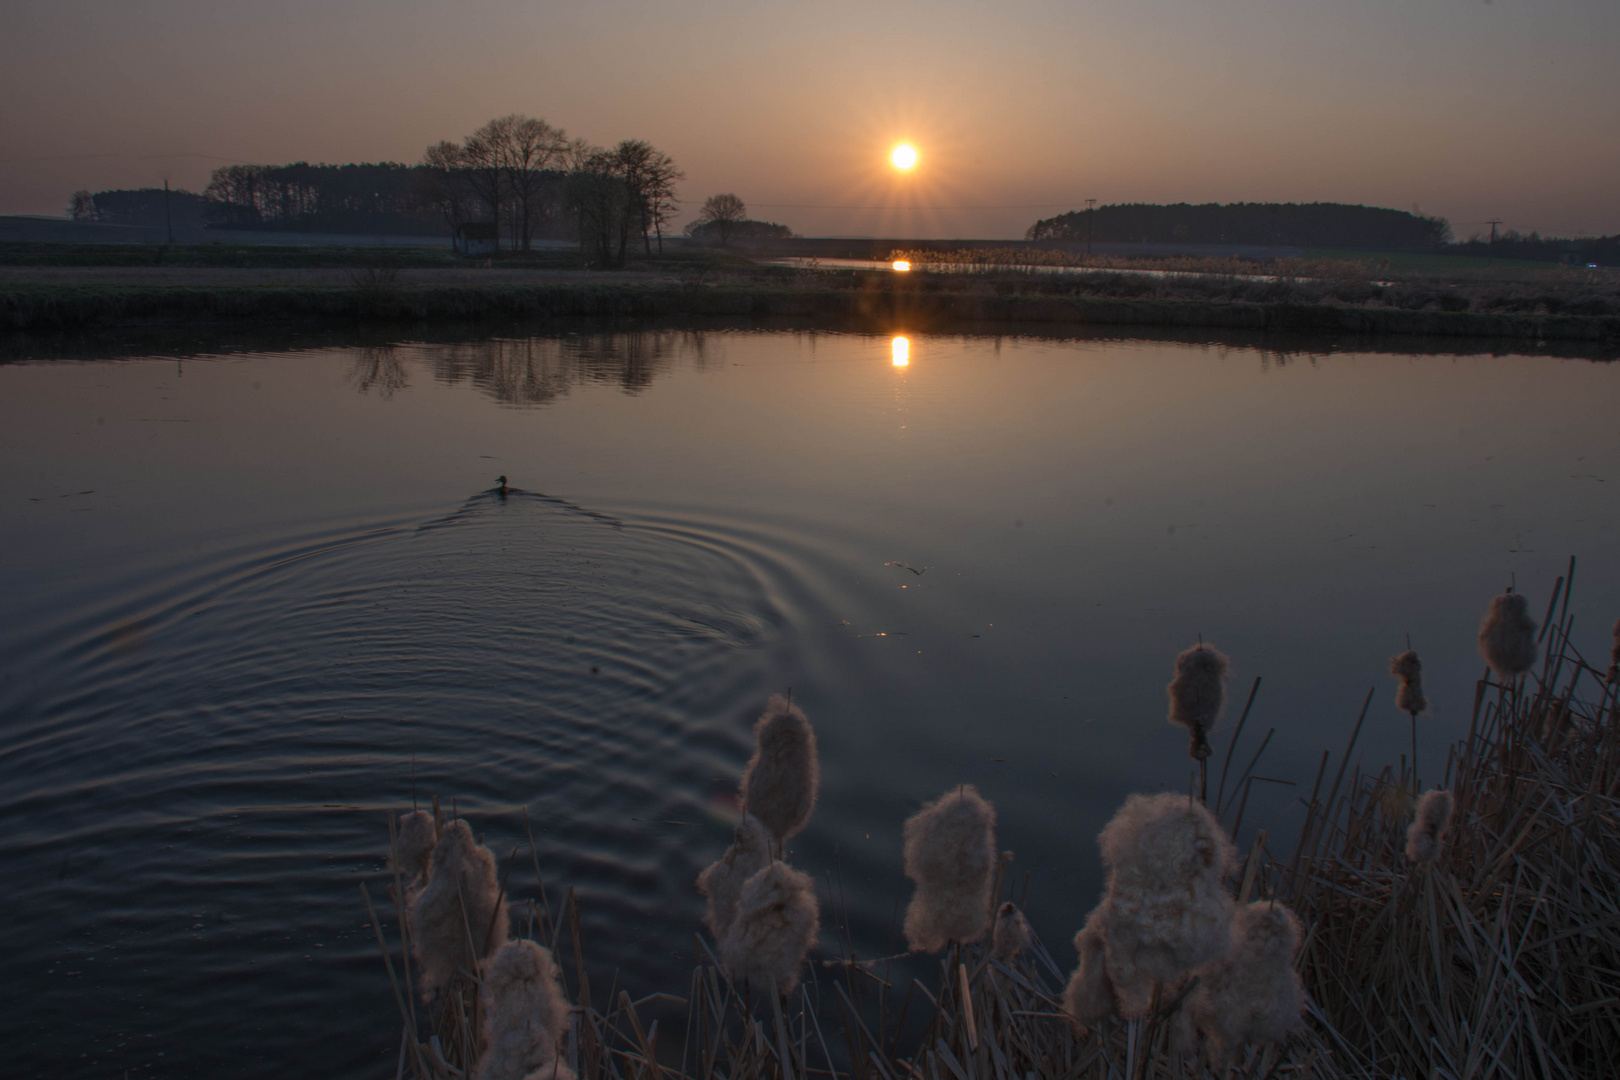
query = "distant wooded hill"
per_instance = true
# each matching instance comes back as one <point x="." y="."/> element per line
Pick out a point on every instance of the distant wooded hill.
<point x="1323" y="225"/>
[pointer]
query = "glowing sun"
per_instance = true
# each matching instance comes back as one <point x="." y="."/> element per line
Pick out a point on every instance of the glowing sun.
<point x="900" y="350"/>
<point x="903" y="157"/>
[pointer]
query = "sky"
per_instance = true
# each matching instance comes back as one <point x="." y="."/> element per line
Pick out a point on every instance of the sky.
<point x="1470" y="109"/>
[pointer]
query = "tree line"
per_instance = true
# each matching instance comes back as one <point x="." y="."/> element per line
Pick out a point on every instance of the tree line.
<point x="1533" y="247"/>
<point x="1324" y="225"/>
<point x="516" y="173"/>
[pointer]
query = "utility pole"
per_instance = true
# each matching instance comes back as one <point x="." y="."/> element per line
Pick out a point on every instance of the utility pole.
<point x="168" y="215"/>
<point x="1090" y="206"/>
<point x="1493" y="223"/>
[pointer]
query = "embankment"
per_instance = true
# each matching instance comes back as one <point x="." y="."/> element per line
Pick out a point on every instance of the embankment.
<point x="873" y="306"/>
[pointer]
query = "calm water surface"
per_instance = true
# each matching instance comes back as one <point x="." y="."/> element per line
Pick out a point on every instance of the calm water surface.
<point x="249" y="603"/>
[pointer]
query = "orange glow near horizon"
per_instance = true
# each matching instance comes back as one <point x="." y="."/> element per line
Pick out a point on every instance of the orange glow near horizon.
<point x="901" y="348"/>
<point x="903" y="157"/>
<point x="902" y="265"/>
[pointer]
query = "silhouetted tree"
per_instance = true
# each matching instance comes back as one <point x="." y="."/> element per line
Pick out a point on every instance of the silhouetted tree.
<point x="150" y="207"/>
<point x="603" y="207"/>
<point x="746" y="229"/>
<point x="509" y="167"/>
<point x="238" y="194"/>
<point x="83" y="206"/>
<point x="483" y="163"/>
<point x="1335" y="225"/>
<point x="722" y="212"/>
<point x="650" y="176"/>
<point x="530" y="150"/>
<point x="444" y="186"/>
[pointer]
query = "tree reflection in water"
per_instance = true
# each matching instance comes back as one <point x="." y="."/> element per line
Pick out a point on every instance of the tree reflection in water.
<point x="532" y="371"/>
<point x="378" y="366"/>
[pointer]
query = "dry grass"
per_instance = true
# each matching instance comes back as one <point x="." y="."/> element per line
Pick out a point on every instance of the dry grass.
<point x="1499" y="960"/>
<point x="1365" y="283"/>
<point x="1502" y="958"/>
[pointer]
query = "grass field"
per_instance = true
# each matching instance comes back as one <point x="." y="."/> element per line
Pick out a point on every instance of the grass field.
<point x="1447" y="266"/>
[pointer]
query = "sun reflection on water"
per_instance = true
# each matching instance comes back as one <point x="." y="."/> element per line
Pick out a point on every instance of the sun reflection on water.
<point x="901" y="347"/>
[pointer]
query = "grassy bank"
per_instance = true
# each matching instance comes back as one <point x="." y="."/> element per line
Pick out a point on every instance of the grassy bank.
<point x="882" y="303"/>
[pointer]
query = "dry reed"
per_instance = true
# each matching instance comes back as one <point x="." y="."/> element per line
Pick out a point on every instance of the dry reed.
<point x="1497" y="960"/>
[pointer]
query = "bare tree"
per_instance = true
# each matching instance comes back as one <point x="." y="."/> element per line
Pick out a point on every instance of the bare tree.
<point x="723" y="212"/>
<point x="83" y="206"/>
<point x="650" y="176"/>
<point x="445" y="185"/>
<point x="530" y="148"/>
<point x="503" y="164"/>
<point x="483" y="161"/>
<point x="603" y="206"/>
<point x="661" y="202"/>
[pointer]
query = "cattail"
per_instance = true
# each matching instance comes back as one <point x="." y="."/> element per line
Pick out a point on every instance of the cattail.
<point x="779" y="785"/>
<point x="1409" y="669"/>
<point x="1507" y="637"/>
<point x="1253" y="994"/>
<point x="1614" y="652"/>
<point x="1428" y="826"/>
<point x="1012" y="934"/>
<point x="525" y="1014"/>
<point x="1165" y="910"/>
<point x="1198" y="694"/>
<point x="950" y="852"/>
<point x="775" y="925"/>
<point x="413" y="847"/>
<point x="460" y="916"/>
<point x="1090" y="995"/>
<point x="722" y="881"/>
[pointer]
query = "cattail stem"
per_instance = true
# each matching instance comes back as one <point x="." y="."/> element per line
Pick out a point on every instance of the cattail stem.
<point x="1415" y="784"/>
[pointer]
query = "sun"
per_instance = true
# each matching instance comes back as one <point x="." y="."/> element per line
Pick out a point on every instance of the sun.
<point x="903" y="157"/>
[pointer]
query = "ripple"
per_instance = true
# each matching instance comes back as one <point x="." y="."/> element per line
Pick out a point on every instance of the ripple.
<point x="198" y="770"/>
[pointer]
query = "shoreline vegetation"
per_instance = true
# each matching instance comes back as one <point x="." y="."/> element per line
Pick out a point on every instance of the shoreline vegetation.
<point x="1472" y="930"/>
<point x="51" y="288"/>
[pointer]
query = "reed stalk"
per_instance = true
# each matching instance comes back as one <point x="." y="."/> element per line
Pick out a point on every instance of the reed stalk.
<point x="1498" y="960"/>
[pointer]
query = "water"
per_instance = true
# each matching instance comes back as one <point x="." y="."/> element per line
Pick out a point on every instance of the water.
<point x="250" y="602"/>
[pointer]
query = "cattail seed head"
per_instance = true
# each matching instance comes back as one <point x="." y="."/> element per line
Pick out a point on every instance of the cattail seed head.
<point x="775" y="925"/>
<point x="1409" y="669"/>
<point x="722" y="881"/>
<point x="1614" y="650"/>
<point x="1424" y="835"/>
<point x="779" y="785"/>
<point x="1507" y="637"/>
<point x="1253" y="994"/>
<point x="1012" y="934"/>
<point x="950" y="852"/>
<point x="1165" y="910"/>
<point x="1198" y="694"/>
<point x="460" y="915"/>
<point x="1089" y="995"/>
<point x="414" y="839"/>
<point x="525" y="1014"/>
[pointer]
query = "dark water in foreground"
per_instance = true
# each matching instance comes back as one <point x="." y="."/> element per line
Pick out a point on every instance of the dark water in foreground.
<point x="249" y="603"/>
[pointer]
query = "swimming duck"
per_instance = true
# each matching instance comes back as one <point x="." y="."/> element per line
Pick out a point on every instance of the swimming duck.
<point x="501" y="490"/>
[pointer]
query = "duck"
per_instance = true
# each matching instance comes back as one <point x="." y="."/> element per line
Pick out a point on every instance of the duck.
<point x="501" y="489"/>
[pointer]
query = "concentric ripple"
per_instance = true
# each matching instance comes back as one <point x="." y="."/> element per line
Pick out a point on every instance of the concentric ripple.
<point x="182" y="795"/>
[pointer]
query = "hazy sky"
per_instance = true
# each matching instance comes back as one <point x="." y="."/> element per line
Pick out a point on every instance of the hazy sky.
<point x="1021" y="108"/>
